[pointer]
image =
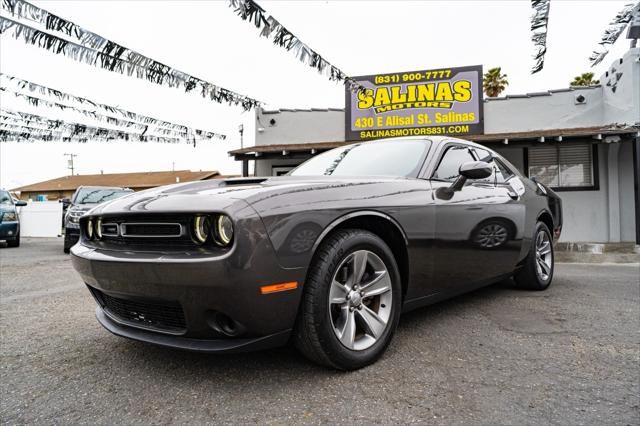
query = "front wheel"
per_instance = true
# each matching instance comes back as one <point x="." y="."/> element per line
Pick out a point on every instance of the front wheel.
<point x="351" y="302"/>
<point x="537" y="271"/>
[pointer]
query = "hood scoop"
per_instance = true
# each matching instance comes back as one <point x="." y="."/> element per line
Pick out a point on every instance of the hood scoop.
<point x="243" y="181"/>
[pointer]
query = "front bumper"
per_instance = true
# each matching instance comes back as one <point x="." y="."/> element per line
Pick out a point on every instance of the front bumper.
<point x="205" y="288"/>
<point x="71" y="236"/>
<point x="192" y="344"/>
<point x="9" y="230"/>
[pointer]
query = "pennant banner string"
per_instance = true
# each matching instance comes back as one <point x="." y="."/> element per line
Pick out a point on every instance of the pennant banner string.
<point x="98" y="51"/>
<point x="74" y="128"/>
<point x="62" y="129"/>
<point x="270" y="28"/>
<point x="66" y="97"/>
<point x="36" y="101"/>
<point x="539" y="27"/>
<point x="10" y="133"/>
<point x="613" y="31"/>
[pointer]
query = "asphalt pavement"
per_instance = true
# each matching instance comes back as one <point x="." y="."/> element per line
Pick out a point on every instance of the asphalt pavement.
<point x="569" y="355"/>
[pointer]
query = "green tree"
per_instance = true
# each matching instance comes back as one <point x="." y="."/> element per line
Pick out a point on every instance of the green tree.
<point x="586" y="79"/>
<point x="494" y="82"/>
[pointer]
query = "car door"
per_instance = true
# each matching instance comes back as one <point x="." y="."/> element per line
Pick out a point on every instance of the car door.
<point x="478" y="228"/>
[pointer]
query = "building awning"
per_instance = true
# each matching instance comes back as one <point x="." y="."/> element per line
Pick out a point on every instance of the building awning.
<point x="303" y="150"/>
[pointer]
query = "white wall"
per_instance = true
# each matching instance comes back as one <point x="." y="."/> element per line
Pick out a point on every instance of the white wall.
<point x="627" y="200"/>
<point x="623" y="104"/>
<point x="299" y="126"/>
<point x="557" y="110"/>
<point x="41" y="219"/>
<point x="585" y="213"/>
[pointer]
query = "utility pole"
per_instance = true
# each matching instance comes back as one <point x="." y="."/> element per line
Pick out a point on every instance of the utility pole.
<point x="70" y="162"/>
<point x="245" y="162"/>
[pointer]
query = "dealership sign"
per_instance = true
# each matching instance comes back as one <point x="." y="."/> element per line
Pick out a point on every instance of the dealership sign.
<point x="419" y="103"/>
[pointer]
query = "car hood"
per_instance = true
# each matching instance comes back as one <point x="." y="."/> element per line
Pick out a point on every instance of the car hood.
<point x="222" y="194"/>
<point x="81" y="207"/>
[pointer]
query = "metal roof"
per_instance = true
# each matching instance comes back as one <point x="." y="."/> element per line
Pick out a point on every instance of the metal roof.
<point x="137" y="180"/>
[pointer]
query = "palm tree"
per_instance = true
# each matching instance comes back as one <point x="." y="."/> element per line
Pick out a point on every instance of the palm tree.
<point x="494" y="82"/>
<point x="586" y="79"/>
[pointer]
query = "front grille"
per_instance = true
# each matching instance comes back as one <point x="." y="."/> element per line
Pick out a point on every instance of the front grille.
<point x="164" y="316"/>
<point x="157" y="232"/>
<point x="151" y="230"/>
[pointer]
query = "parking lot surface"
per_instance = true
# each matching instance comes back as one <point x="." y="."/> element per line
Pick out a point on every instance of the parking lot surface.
<point x="570" y="355"/>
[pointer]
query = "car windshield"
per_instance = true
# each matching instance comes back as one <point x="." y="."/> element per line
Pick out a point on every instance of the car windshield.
<point x="397" y="158"/>
<point x="98" y="195"/>
<point x="5" y="198"/>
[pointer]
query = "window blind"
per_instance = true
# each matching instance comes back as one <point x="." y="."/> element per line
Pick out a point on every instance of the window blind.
<point x="562" y="166"/>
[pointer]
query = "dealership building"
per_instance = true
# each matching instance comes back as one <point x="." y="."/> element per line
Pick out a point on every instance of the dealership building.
<point x="584" y="142"/>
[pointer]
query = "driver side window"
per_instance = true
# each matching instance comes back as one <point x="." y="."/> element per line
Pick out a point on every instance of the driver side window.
<point x="453" y="158"/>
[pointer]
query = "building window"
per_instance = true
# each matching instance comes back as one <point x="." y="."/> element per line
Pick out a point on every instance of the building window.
<point x="563" y="166"/>
<point x="281" y="170"/>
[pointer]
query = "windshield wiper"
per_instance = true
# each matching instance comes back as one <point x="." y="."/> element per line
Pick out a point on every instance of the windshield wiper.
<point x="82" y="201"/>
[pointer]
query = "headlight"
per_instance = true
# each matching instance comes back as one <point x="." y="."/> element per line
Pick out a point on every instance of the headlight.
<point x="73" y="216"/>
<point x="99" y="228"/>
<point x="90" y="229"/>
<point x="201" y="228"/>
<point x="9" y="217"/>
<point x="223" y="230"/>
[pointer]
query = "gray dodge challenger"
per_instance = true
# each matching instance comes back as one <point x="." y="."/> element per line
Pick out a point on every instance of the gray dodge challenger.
<point x="327" y="256"/>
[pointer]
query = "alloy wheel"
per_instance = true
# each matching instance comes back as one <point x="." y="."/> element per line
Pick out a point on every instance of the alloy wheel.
<point x="544" y="255"/>
<point x="360" y="300"/>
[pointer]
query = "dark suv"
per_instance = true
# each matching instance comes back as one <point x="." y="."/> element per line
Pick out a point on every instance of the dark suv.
<point x="84" y="199"/>
<point x="9" y="219"/>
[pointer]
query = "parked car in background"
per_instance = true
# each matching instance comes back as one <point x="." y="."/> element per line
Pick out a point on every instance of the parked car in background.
<point x="84" y="199"/>
<point x="9" y="219"/>
<point x="329" y="255"/>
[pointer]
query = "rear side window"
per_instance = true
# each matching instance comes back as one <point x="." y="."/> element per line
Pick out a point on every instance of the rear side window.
<point x="453" y="158"/>
<point x="501" y="173"/>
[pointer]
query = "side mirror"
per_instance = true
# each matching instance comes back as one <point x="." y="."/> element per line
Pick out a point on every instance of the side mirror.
<point x="469" y="170"/>
<point x="476" y="170"/>
<point x="21" y="203"/>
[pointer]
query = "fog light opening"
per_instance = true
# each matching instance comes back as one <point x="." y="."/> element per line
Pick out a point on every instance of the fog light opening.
<point x="226" y="325"/>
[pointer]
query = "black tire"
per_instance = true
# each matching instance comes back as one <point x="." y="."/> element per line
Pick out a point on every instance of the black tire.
<point x="314" y="334"/>
<point x="67" y="243"/>
<point x="14" y="243"/>
<point x="529" y="276"/>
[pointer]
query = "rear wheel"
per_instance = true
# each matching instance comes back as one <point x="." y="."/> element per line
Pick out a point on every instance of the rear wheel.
<point x="351" y="303"/>
<point x="537" y="271"/>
